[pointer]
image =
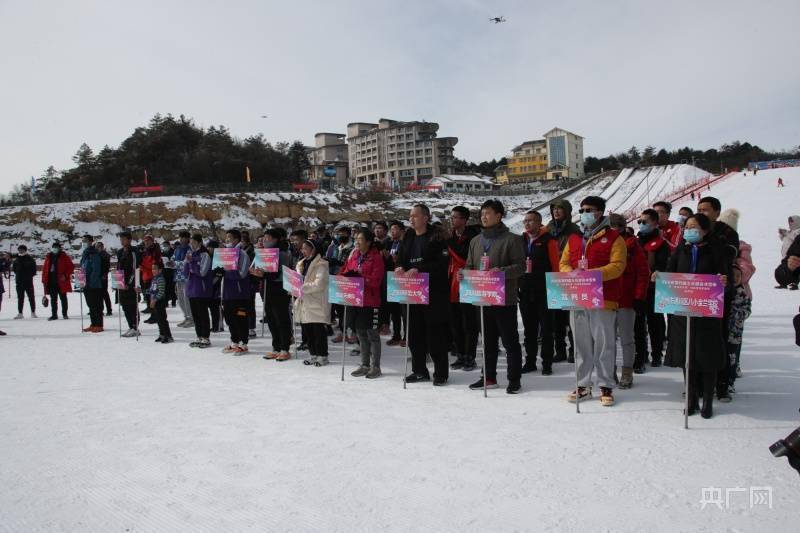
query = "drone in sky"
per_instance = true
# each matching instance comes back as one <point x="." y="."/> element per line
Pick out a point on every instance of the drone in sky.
<point x="264" y="116"/>
<point x="497" y="20"/>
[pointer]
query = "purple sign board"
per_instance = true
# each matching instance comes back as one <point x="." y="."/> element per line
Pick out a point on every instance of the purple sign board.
<point x="689" y="294"/>
<point x="581" y="289"/>
<point x="480" y="287"/>
<point x="407" y="289"/>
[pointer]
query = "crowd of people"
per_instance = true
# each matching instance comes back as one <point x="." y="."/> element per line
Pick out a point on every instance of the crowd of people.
<point x="151" y="277"/>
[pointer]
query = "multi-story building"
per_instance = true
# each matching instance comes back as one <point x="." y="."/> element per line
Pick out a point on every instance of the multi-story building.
<point x="328" y="160"/>
<point x="397" y="154"/>
<point x="559" y="155"/>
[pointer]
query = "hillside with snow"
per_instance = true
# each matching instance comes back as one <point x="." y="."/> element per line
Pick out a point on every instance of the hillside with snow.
<point x="101" y="433"/>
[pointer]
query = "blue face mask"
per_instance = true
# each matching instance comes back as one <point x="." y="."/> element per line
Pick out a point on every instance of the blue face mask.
<point x="588" y="219"/>
<point x="645" y="229"/>
<point x="692" y="235"/>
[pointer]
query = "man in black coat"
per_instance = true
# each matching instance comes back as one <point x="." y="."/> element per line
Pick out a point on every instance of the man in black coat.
<point x="424" y="249"/>
<point x="24" y="268"/>
<point x="464" y="318"/>
<point x="128" y="260"/>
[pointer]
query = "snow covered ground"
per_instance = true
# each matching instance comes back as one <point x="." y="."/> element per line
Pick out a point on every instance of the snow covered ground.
<point x="103" y="434"/>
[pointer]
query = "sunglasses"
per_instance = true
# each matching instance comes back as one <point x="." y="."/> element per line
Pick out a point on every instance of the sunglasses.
<point x="587" y="210"/>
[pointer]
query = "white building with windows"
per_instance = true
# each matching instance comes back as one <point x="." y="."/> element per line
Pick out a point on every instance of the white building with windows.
<point x="462" y="183"/>
<point x="564" y="154"/>
<point x="397" y="154"/>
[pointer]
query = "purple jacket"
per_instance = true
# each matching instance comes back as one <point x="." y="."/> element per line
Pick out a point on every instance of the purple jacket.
<point x="237" y="284"/>
<point x="199" y="278"/>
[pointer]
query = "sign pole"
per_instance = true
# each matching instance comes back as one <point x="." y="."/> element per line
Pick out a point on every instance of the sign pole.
<point x="294" y="328"/>
<point x="344" y="340"/>
<point x="263" y="305"/>
<point x="81" y="299"/>
<point x="119" y="314"/>
<point x="688" y="375"/>
<point x="483" y="354"/>
<point x="408" y="329"/>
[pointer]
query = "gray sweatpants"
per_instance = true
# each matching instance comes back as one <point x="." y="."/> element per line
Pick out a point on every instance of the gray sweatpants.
<point x="370" y="343"/>
<point x="183" y="300"/>
<point x="595" y="345"/>
<point x="626" y="318"/>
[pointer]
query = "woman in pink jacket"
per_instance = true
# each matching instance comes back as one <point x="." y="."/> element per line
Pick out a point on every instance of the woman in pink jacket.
<point x="366" y="262"/>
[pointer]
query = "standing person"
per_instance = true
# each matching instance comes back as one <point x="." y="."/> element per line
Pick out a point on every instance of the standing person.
<point x="780" y="182"/>
<point x="424" y="249"/>
<point x="382" y="241"/>
<point x="787" y="237"/>
<point x="670" y="230"/>
<point x="235" y="295"/>
<point x="276" y="300"/>
<point x="92" y="266"/>
<point x="217" y="322"/>
<point x="178" y="259"/>
<point x="249" y="249"/>
<point x="128" y="261"/>
<point x="396" y="312"/>
<point x="168" y="270"/>
<point x="312" y="309"/>
<point x="599" y="248"/>
<point x="336" y="256"/>
<point x="24" y="268"/>
<point x="648" y="322"/>
<point x="56" y="279"/>
<point x="561" y="227"/>
<point x="499" y="250"/>
<point x="728" y="239"/>
<point x="542" y="255"/>
<point x="366" y="262"/>
<point x="5" y="268"/>
<point x="296" y="240"/>
<point x="699" y="253"/>
<point x="105" y="259"/>
<point x="157" y="298"/>
<point x="633" y="298"/>
<point x="463" y="317"/>
<point x="198" y="288"/>
<point x="741" y="306"/>
<point x="683" y="214"/>
<point x="150" y="254"/>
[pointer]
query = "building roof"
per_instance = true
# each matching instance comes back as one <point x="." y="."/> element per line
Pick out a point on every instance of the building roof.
<point x="329" y="133"/>
<point x="464" y="178"/>
<point x="519" y="147"/>
<point x="562" y="129"/>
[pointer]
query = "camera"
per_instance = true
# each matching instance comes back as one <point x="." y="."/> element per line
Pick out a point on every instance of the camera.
<point x="789" y="447"/>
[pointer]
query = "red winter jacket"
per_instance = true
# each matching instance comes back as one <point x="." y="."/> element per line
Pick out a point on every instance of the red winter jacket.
<point x="672" y="233"/>
<point x="372" y="270"/>
<point x="150" y="256"/>
<point x="63" y="272"/>
<point x="636" y="278"/>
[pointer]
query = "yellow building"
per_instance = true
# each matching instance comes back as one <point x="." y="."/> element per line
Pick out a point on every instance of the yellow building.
<point x="527" y="162"/>
<point x="559" y="155"/>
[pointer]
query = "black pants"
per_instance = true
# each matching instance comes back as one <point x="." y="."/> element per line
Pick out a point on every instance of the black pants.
<point x="145" y="291"/>
<point x="22" y="290"/>
<point x="160" y="313"/>
<point x="536" y="319"/>
<point x="316" y="338"/>
<point x="214" y="306"/>
<point x="701" y="384"/>
<point x="426" y="337"/>
<point x="94" y="299"/>
<point x="501" y="323"/>
<point x="237" y="318"/>
<point x="201" y="314"/>
<point x="106" y="297"/>
<point x="560" y="330"/>
<point x="251" y="312"/>
<point x="464" y="327"/>
<point x="337" y="315"/>
<point x="397" y="314"/>
<point x="654" y="325"/>
<point x="127" y="300"/>
<point x="276" y="312"/>
<point x="55" y="294"/>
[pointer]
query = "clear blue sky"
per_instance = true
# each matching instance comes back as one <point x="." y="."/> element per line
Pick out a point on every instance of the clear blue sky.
<point x="620" y="73"/>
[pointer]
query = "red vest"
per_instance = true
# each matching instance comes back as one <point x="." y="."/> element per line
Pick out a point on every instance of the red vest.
<point x="598" y="253"/>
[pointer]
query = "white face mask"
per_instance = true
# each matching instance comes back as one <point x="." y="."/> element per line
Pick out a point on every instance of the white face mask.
<point x="55" y="250"/>
<point x="22" y="253"/>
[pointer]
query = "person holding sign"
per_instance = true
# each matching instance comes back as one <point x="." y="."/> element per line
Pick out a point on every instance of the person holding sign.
<point x="128" y="261"/>
<point x="700" y="253"/>
<point x="496" y="249"/>
<point x="235" y="294"/>
<point x="463" y="320"/>
<point x="199" y="289"/>
<point x="542" y="254"/>
<point x="56" y="274"/>
<point x="601" y="248"/>
<point x="562" y="227"/>
<point x="366" y="262"/>
<point x="92" y="266"/>
<point x="424" y="249"/>
<point x="312" y="309"/>
<point x="276" y="299"/>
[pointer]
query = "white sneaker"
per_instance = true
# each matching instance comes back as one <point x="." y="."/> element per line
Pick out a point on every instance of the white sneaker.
<point x="131" y="333"/>
<point x="18" y="317"/>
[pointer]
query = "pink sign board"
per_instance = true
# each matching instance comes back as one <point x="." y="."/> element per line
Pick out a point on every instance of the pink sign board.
<point x="80" y="278"/>
<point x="480" y="287"/>
<point x="292" y="282"/>
<point x="407" y="289"/>
<point x="581" y="289"/>
<point x="266" y="259"/>
<point x="117" y="278"/>
<point x="226" y="258"/>
<point x="689" y="294"/>
<point x="346" y="290"/>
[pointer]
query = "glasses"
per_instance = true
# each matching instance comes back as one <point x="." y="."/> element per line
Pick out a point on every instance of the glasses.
<point x="642" y="221"/>
<point x="587" y="210"/>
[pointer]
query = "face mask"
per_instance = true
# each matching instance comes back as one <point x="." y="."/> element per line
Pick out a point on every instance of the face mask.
<point x="692" y="235"/>
<point x="165" y="249"/>
<point x="84" y="246"/>
<point x="681" y="219"/>
<point x="645" y="229"/>
<point x="55" y="250"/>
<point x="588" y="219"/>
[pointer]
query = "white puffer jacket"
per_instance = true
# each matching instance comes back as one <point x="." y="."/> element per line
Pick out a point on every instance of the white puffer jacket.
<point x="788" y="236"/>
<point x="313" y="307"/>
